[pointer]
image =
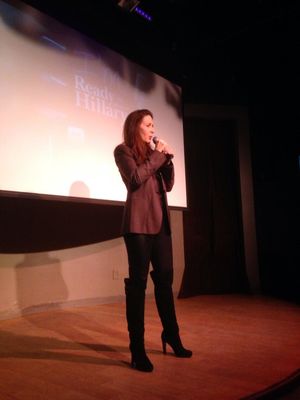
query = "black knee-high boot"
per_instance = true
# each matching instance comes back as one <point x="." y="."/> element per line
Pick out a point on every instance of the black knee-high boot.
<point x="135" y="306"/>
<point x="166" y="309"/>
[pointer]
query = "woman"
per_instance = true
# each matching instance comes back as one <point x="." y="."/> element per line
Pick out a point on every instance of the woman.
<point x="148" y="174"/>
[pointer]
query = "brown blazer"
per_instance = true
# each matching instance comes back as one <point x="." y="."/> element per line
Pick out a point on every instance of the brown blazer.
<point x="146" y="185"/>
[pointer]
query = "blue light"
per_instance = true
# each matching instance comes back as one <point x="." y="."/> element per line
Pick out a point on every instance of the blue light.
<point x="142" y="13"/>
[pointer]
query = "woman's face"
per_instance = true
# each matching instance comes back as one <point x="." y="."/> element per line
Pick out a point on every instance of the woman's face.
<point x="146" y="129"/>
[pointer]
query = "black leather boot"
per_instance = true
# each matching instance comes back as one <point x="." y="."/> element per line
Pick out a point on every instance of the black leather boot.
<point x="135" y="306"/>
<point x="166" y="309"/>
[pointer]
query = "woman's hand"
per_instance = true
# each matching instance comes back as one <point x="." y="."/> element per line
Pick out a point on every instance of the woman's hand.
<point x="163" y="147"/>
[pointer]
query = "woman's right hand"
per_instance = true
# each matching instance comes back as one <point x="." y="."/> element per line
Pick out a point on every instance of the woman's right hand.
<point x="163" y="147"/>
<point x="160" y="145"/>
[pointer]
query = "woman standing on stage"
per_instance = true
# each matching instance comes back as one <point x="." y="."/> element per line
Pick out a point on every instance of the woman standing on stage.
<point x="148" y="174"/>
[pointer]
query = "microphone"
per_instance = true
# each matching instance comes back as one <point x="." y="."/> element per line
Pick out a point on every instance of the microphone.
<point x="155" y="140"/>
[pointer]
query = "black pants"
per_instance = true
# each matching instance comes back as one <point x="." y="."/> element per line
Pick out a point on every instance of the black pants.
<point x="143" y="249"/>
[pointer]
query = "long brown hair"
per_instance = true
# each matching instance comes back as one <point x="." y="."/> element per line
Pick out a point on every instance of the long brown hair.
<point x="131" y="134"/>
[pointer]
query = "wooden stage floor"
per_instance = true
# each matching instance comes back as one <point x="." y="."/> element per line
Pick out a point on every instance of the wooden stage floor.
<point x="241" y="345"/>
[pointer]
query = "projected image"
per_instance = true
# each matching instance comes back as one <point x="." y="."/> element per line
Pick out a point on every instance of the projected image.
<point x="64" y="100"/>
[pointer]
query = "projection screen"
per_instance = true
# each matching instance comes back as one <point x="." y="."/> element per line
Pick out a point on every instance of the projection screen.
<point x="64" y="98"/>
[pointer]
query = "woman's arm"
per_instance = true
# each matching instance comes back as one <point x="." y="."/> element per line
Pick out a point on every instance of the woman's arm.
<point x="167" y="172"/>
<point x="135" y="175"/>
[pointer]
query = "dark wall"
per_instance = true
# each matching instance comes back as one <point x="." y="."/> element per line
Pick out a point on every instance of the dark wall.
<point x="258" y="68"/>
<point x="275" y="143"/>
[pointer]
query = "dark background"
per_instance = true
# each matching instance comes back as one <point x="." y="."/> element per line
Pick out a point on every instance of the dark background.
<point x="242" y="53"/>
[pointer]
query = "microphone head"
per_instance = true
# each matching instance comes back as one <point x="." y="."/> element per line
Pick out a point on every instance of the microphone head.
<point x="155" y="139"/>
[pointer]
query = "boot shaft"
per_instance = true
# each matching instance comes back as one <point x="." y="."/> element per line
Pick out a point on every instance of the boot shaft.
<point x="165" y="303"/>
<point x="135" y="309"/>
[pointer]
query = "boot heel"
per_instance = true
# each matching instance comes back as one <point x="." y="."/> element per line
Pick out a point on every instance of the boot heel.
<point x="164" y="346"/>
<point x="175" y="343"/>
